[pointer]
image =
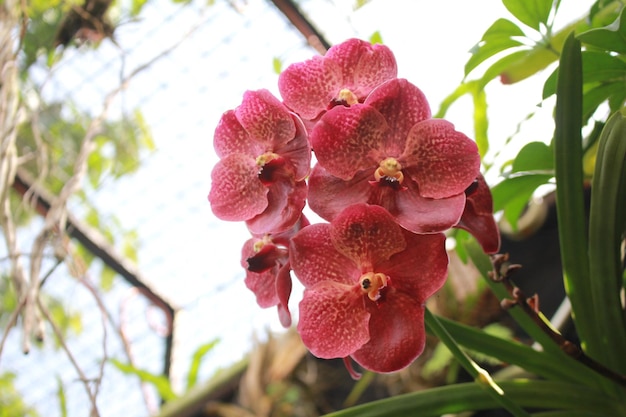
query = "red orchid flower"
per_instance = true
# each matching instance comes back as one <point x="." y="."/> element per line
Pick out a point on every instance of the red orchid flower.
<point x="266" y="261"/>
<point x="366" y="280"/>
<point x="265" y="156"/>
<point x="345" y="75"/>
<point x="478" y="217"/>
<point x="388" y="151"/>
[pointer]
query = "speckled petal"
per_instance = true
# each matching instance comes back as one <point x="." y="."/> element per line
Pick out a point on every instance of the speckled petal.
<point x="236" y="192"/>
<point x="265" y="118"/>
<point x="313" y="258"/>
<point x="231" y="137"/>
<point x="402" y="105"/>
<point x="421" y="269"/>
<point x="297" y="152"/>
<point x="283" y="290"/>
<point x="398" y="336"/>
<point x="333" y="322"/>
<point x="308" y="87"/>
<point x="366" y="234"/>
<point x="285" y="203"/>
<point x="329" y="195"/>
<point x="443" y="161"/>
<point x="363" y="65"/>
<point x="478" y="217"/>
<point x="346" y="140"/>
<point x="425" y="215"/>
<point x="261" y="284"/>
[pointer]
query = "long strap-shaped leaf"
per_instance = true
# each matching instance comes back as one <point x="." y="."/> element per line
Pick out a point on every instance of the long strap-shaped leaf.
<point x="470" y="396"/>
<point x="606" y="224"/>
<point x="569" y="192"/>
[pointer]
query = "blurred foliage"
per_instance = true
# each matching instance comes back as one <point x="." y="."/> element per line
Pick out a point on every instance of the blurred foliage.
<point x="11" y="402"/>
<point x="523" y="46"/>
<point x="162" y="384"/>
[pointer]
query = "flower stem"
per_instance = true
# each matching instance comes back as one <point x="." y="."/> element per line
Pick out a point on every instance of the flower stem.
<point x="481" y="377"/>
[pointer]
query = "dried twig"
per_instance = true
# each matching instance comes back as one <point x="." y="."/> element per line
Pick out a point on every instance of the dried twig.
<point x="502" y="270"/>
<point x="59" y="334"/>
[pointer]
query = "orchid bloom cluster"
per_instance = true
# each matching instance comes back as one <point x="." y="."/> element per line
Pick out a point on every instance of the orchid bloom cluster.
<point x="388" y="178"/>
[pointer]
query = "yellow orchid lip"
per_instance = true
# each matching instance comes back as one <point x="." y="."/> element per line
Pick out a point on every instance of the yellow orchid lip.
<point x="371" y="283"/>
<point x="389" y="168"/>
<point x="346" y="96"/>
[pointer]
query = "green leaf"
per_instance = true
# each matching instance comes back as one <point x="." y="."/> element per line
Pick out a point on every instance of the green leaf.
<point x="458" y="398"/>
<point x="136" y="7"/>
<point x="11" y="400"/>
<point x="458" y="92"/>
<point x="277" y="64"/>
<point x="497" y="38"/>
<point x="594" y="97"/>
<point x="61" y="397"/>
<point x="545" y="364"/>
<point x="569" y="193"/>
<point x="597" y="67"/>
<point x="566" y="362"/>
<point x="160" y="382"/>
<point x="359" y="3"/>
<point x="107" y="278"/>
<point x="481" y="121"/>
<point x="609" y="38"/>
<point x="534" y="156"/>
<point x="198" y="355"/>
<point x="376" y="38"/>
<point x="606" y="225"/>
<point x="513" y="193"/>
<point x="532" y="13"/>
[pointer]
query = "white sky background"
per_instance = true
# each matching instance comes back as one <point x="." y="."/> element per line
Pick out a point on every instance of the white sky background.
<point x="195" y="262"/>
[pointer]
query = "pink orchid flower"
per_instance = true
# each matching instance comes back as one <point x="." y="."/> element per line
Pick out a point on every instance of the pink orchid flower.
<point x="478" y="217"/>
<point x="266" y="261"/>
<point x="388" y="151"/>
<point x="265" y="157"/>
<point x="345" y="75"/>
<point x="366" y="280"/>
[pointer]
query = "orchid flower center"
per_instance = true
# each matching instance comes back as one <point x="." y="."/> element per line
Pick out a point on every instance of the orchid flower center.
<point x="348" y="97"/>
<point x="371" y="283"/>
<point x="259" y="244"/>
<point x="389" y="169"/>
<point x="265" y="158"/>
<point x="271" y="167"/>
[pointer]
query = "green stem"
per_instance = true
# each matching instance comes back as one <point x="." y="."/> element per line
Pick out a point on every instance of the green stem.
<point x="481" y="377"/>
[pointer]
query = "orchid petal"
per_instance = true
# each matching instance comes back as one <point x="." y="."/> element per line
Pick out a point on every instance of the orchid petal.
<point x="402" y="105"/>
<point x="285" y="202"/>
<point x="265" y="118"/>
<point x="424" y="215"/>
<point x="425" y="253"/>
<point x="262" y="284"/>
<point x="363" y="65"/>
<point x="297" y="152"/>
<point x="347" y="139"/>
<point x="230" y="137"/>
<point x="283" y="291"/>
<point x="443" y="161"/>
<point x="329" y="195"/>
<point x="366" y="234"/>
<point x="314" y="258"/>
<point x="398" y="326"/>
<point x="308" y="87"/>
<point x="478" y="217"/>
<point x="236" y="192"/>
<point x="333" y="322"/>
